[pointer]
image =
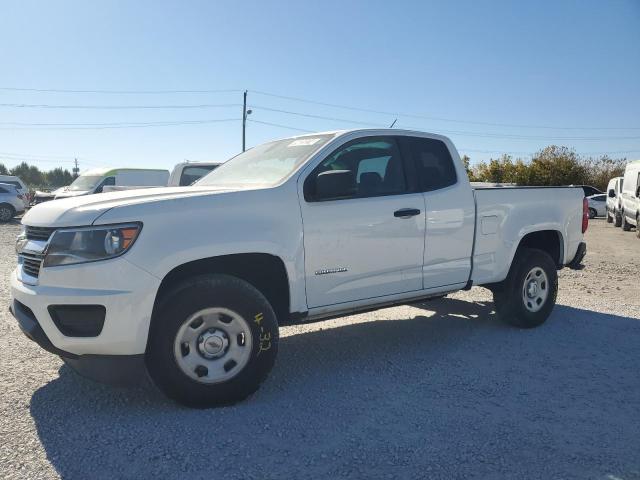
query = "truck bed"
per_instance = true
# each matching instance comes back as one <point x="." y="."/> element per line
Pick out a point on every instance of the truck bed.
<point x="505" y="214"/>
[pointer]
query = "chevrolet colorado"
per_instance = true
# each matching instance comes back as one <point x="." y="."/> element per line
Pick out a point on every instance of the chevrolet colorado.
<point x="190" y="284"/>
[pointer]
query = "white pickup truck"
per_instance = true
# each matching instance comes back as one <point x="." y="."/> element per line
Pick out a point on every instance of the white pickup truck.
<point x="192" y="284"/>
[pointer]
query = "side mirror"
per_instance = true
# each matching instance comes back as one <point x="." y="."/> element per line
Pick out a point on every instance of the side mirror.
<point x="335" y="184"/>
<point x="612" y="193"/>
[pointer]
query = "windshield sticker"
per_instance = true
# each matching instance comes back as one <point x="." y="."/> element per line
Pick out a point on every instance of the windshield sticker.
<point x="303" y="142"/>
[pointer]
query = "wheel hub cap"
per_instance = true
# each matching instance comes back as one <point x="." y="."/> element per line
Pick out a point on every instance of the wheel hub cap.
<point x="535" y="289"/>
<point x="212" y="343"/>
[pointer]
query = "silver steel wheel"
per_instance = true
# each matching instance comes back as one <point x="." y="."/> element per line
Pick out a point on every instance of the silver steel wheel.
<point x="535" y="289"/>
<point x="5" y="214"/>
<point x="213" y="345"/>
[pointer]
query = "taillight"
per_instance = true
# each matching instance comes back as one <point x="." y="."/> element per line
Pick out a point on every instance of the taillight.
<point x="585" y="214"/>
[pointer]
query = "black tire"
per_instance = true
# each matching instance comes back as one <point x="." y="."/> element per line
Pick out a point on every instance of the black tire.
<point x="194" y="295"/>
<point x="609" y="217"/>
<point x="7" y="212"/>
<point x="638" y="225"/>
<point x="592" y="213"/>
<point x="617" y="218"/>
<point x="626" y="226"/>
<point x="508" y="300"/>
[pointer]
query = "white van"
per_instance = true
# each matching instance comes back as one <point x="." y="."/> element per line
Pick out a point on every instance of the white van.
<point x="614" y="201"/>
<point x="94" y="181"/>
<point x="631" y="197"/>
<point x="186" y="173"/>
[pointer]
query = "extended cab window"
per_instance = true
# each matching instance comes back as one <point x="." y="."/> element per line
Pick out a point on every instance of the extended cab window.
<point x="365" y="167"/>
<point x="433" y="163"/>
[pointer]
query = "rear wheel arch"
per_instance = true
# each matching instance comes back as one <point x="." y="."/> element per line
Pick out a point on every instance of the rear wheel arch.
<point x="549" y="241"/>
<point x="266" y="272"/>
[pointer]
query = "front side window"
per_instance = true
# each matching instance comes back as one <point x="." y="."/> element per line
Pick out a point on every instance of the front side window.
<point x="374" y="166"/>
<point x="433" y="163"/>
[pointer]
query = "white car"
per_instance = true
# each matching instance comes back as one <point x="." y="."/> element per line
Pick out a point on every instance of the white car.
<point x="21" y="187"/>
<point x="597" y="205"/>
<point x="631" y="197"/>
<point x="12" y="202"/>
<point x="614" y="201"/>
<point x="192" y="284"/>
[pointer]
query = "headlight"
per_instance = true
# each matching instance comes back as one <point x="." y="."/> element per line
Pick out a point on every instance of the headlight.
<point x="81" y="245"/>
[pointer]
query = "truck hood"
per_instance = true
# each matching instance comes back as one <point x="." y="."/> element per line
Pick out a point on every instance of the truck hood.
<point x="85" y="209"/>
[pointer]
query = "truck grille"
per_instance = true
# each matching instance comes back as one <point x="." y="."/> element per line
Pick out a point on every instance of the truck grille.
<point x="31" y="263"/>
<point x="38" y="233"/>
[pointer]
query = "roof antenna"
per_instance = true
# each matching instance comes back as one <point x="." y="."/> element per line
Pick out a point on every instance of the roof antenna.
<point x="394" y="122"/>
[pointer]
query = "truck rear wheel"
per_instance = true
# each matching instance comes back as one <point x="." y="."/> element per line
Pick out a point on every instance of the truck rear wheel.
<point x="529" y="292"/>
<point x="213" y="341"/>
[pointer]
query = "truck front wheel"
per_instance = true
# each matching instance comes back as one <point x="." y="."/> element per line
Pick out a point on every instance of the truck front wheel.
<point x="529" y="292"/>
<point x="213" y="340"/>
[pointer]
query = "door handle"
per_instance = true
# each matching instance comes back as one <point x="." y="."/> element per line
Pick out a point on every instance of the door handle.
<point x="406" y="212"/>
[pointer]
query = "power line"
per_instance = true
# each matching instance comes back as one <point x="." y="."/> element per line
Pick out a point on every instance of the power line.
<point x="453" y="132"/>
<point x="116" y="92"/>
<point x="104" y="126"/>
<point x="425" y="117"/>
<point x="280" y="126"/>
<point x="321" y="117"/>
<point x="303" y="100"/>
<point x="117" y="107"/>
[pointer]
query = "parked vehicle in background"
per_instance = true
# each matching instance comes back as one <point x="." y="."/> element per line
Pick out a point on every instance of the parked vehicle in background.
<point x="597" y="205"/>
<point x="94" y="181"/>
<point x="41" y="196"/>
<point x="631" y="197"/>
<point x="614" y="201"/>
<point x="12" y="202"/>
<point x="589" y="190"/>
<point x="187" y="173"/>
<point x="193" y="283"/>
<point x="16" y="182"/>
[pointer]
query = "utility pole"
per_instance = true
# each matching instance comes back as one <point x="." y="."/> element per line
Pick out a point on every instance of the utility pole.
<point x="245" y="113"/>
<point x="76" y="170"/>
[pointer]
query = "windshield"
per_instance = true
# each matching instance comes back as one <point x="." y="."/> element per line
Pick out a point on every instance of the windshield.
<point x="265" y="165"/>
<point x="84" y="183"/>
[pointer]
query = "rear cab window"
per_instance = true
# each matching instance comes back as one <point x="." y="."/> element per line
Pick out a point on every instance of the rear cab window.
<point x="433" y="162"/>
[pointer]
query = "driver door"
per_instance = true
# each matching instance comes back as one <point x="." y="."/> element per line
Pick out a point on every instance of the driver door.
<point x="369" y="241"/>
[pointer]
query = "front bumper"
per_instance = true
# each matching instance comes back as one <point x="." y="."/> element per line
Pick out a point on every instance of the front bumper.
<point x="126" y="292"/>
<point x="112" y="369"/>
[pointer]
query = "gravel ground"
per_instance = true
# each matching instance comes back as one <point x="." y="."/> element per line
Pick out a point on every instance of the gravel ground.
<point x="438" y="390"/>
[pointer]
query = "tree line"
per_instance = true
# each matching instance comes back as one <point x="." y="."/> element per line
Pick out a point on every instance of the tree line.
<point x="551" y="166"/>
<point x="37" y="179"/>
